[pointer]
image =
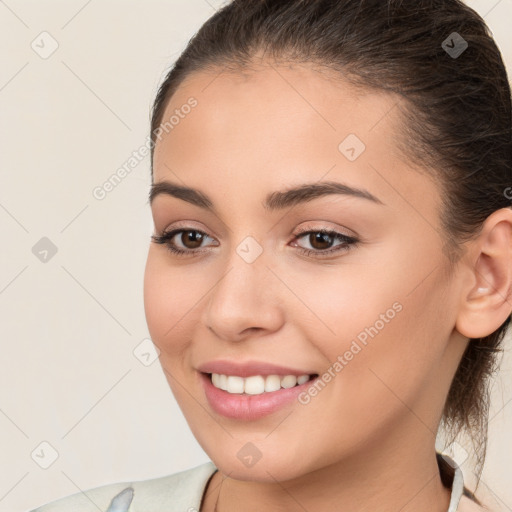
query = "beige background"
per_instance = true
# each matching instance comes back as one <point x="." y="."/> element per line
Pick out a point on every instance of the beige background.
<point x="70" y="326"/>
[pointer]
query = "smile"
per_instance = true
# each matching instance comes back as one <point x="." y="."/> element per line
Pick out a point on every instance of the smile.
<point x="252" y="397"/>
<point x="256" y="384"/>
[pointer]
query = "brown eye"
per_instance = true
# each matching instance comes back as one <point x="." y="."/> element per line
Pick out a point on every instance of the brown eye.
<point x="182" y="241"/>
<point x="191" y="239"/>
<point x="320" y="240"/>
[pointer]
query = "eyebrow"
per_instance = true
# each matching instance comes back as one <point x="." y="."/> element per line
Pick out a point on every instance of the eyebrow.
<point x="274" y="201"/>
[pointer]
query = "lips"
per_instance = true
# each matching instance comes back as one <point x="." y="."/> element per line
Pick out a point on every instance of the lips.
<point x="250" y="407"/>
<point x="250" y="368"/>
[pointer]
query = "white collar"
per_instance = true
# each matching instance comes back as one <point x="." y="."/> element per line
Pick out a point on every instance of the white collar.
<point x="457" y="483"/>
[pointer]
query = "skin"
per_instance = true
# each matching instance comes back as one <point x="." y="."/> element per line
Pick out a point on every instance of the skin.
<point x="367" y="440"/>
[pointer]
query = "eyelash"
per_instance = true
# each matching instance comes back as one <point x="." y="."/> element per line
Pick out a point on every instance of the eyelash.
<point x="348" y="242"/>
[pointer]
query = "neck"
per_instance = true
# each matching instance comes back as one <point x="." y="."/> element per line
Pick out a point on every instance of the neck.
<point x="405" y="479"/>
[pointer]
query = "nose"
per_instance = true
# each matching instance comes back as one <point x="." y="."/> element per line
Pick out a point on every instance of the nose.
<point x="244" y="301"/>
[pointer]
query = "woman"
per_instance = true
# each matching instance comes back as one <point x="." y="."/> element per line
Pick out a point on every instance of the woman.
<point x="330" y="275"/>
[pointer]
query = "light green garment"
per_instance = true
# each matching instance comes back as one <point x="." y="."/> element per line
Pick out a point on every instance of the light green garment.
<point x="179" y="492"/>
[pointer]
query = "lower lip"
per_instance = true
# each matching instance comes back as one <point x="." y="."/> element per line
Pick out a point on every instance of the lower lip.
<point x="249" y="407"/>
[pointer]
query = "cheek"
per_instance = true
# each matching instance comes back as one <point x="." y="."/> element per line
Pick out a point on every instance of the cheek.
<point x="168" y="305"/>
<point x="381" y="322"/>
<point x="169" y="299"/>
<point x="375" y="380"/>
<point x="341" y="303"/>
<point x="391" y="356"/>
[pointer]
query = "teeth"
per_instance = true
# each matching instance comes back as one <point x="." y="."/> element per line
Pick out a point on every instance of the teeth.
<point x="302" y="379"/>
<point x="235" y="384"/>
<point x="272" y="383"/>
<point x="253" y="385"/>
<point x="256" y="384"/>
<point x="289" y="381"/>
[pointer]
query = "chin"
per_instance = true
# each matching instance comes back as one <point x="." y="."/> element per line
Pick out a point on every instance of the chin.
<point x="242" y="460"/>
<point x="262" y="471"/>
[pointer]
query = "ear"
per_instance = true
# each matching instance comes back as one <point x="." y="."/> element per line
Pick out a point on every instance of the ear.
<point x="486" y="301"/>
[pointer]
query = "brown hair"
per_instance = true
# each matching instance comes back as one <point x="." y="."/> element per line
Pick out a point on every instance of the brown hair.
<point x="457" y="112"/>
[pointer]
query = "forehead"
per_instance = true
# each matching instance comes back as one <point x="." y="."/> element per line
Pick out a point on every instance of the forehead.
<point x="279" y="125"/>
<point x="285" y="105"/>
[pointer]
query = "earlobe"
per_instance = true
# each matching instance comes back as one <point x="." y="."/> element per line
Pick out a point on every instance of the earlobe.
<point x="488" y="302"/>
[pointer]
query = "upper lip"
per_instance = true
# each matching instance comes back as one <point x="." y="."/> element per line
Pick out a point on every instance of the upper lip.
<point x="248" y="368"/>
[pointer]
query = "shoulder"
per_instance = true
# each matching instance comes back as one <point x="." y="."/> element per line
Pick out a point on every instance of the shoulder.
<point x="177" y="492"/>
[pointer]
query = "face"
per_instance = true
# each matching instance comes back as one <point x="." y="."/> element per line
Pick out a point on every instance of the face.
<point x="364" y="309"/>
